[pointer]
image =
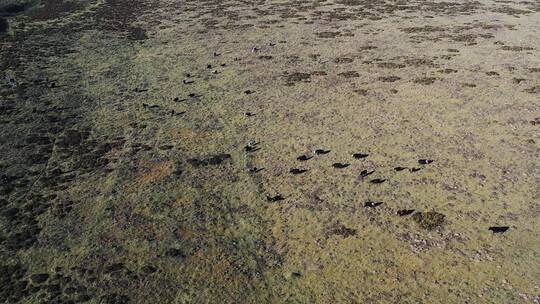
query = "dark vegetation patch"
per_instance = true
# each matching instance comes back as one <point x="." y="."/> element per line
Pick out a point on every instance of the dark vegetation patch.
<point x="13" y="8"/>
<point x="343" y="60"/>
<point x="52" y="9"/>
<point x="137" y="33"/>
<point x="423" y="29"/>
<point x="4" y="25"/>
<point x="212" y="160"/>
<point x="341" y="230"/>
<point x="389" y="78"/>
<point x="367" y="48"/>
<point x="516" y="48"/>
<point x="13" y="285"/>
<point x="344" y="231"/>
<point x="295" y="77"/>
<point x="319" y="73"/>
<point x="425" y="80"/>
<point x="512" y="11"/>
<point x="362" y="92"/>
<point x="533" y="90"/>
<point x="390" y="65"/>
<point x="429" y="220"/>
<point x="448" y="71"/>
<point x="349" y="74"/>
<point x="328" y="34"/>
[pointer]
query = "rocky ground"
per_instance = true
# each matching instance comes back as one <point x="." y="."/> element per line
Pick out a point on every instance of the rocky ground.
<point x="270" y="151"/>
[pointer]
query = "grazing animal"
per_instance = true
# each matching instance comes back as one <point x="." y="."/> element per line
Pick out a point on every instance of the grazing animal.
<point x="340" y="165"/>
<point x="377" y="181"/>
<point x="250" y="148"/>
<point x="255" y="170"/>
<point x="405" y="212"/>
<point x="304" y="157"/>
<point x="321" y="151"/>
<point x="296" y="171"/>
<point x="360" y="155"/>
<point x="372" y="204"/>
<point x="499" y="229"/>
<point x="400" y="168"/>
<point x="365" y="173"/>
<point x="425" y="161"/>
<point x="276" y="198"/>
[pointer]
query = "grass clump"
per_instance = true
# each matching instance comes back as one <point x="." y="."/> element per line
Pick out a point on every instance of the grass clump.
<point x="429" y="220"/>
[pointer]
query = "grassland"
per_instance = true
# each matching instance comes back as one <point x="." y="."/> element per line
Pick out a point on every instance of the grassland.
<point x="149" y="151"/>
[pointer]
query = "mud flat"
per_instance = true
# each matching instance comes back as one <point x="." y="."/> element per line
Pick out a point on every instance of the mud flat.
<point x="340" y="151"/>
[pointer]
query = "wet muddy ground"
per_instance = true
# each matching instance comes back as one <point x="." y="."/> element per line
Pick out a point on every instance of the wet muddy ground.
<point x="272" y="151"/>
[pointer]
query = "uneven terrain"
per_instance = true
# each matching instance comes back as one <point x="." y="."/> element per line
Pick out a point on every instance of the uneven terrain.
<point x="271" y="151"/>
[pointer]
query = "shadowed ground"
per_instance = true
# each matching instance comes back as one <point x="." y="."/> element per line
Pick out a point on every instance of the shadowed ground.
<point x="338" y="151"/>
